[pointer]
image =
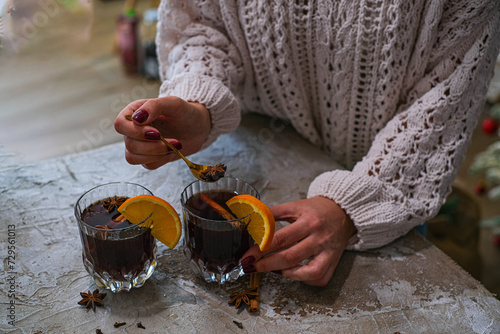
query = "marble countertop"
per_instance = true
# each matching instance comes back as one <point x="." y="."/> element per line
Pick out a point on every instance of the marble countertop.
<point x="409" y="286"/>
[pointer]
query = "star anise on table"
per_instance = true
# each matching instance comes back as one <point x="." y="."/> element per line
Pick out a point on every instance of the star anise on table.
<point x="114" y="202"/>
<point x="237" y="297"/>
<point x="213" y="173"/>
<point x="92" y="299"/>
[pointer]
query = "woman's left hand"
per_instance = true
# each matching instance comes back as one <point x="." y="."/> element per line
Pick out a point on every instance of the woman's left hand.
<point x="319" y="231"/>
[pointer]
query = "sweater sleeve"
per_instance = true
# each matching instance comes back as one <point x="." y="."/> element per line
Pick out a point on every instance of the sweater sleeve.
<point x="198" y="62"/>
<point x="409" y="169"/>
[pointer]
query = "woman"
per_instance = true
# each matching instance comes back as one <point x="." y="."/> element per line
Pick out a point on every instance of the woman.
<point x="391" y="89"/>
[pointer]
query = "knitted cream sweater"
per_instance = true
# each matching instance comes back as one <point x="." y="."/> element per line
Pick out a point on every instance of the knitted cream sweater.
<point x="390" y="88"/>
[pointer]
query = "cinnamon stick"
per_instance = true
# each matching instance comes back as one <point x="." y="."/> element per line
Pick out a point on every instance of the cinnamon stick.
<point x="119" y="218"/>
<point x="254" y="284"/>
<point x="217" y="207"/>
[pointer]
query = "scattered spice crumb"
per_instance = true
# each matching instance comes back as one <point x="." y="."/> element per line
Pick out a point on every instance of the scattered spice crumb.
<point x="140" y="325"/>
<point x="239" y="324"/>
<point x="98" y="331"/>
<point x="118" y="324"/>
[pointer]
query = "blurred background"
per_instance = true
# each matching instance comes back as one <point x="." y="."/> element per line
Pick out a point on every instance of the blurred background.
<point x="67" y="67"/>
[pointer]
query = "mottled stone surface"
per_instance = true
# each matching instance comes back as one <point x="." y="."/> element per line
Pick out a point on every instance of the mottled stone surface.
<point x="408" y="286"/>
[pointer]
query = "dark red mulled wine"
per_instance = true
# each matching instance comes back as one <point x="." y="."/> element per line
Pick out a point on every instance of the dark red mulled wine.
<point x="214" y="243"/>
<point x="118" y="249"/>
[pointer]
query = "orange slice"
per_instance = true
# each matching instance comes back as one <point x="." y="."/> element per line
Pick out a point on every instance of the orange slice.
<point x="163" y="219"/>
<point x="261" y="225"/>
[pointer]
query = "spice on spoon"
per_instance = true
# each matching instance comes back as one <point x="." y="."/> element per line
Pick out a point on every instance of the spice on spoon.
<point x="213" y="173"/>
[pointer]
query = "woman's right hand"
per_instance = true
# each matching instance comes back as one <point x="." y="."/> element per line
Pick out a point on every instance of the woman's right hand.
<point x="184" y="124"/>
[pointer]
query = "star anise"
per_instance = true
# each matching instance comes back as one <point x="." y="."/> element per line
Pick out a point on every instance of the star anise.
<point x="237" y="297"/>
<point x="92" y="299"/>
<point x="113" y="203"/>
<point x="213" y="173"/>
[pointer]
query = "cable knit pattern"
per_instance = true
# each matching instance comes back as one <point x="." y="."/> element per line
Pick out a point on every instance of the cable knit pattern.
<point x="390" y="88"/>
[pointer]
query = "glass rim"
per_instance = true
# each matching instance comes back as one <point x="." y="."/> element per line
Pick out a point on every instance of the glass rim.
<point x="215" y="220"/>
<point x="93" y="228"/>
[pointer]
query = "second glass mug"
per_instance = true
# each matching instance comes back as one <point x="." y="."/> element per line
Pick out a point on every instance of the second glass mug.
<point x="213" y="245"/>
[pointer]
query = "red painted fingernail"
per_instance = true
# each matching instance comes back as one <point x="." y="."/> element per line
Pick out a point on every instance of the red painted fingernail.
<point x="140" y="116"/>
<point x="247" y="264"/>
<point x="177" y="144"/>
<point x="152" y="135"/>
<point x="248" y="261"/>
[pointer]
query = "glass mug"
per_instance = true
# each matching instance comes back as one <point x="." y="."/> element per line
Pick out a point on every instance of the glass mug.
<point x="212" y="244"/>
<point x="118" y="255"/>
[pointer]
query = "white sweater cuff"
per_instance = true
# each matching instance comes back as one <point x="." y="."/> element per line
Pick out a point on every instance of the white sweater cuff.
<point x="378" y="213"/>
<point x="213" y="94"/>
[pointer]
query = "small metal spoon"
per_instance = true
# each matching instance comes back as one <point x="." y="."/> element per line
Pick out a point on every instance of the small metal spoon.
<point x="201" y="172"/>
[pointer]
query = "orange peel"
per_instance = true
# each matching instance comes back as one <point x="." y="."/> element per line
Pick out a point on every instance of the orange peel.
<point x="157" y="214"/>
<point x="261" y="223"/>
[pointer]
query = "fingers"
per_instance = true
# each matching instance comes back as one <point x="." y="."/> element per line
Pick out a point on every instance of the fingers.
<point x="317" y="272"/>
<point x="285" y="212"/>
<point x="319" y="231"/>
<point x="151" y="161"/>
<point x="130" y="129"/>
<point x="144" y="112"/>
<point x="287" y="258"/>
<point x="290" y="263"/>
<point x="149" y="153"/>
<point x="142" y="144"/>
<point x="287" y="236"/>
<point x="153" y="109"/>
<point x="293" y="245"/>
<point x="122" y="125"/>
<point x="282" y="239"/>
<point x="150" y="145"/>
<point x="160" y="162"/>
